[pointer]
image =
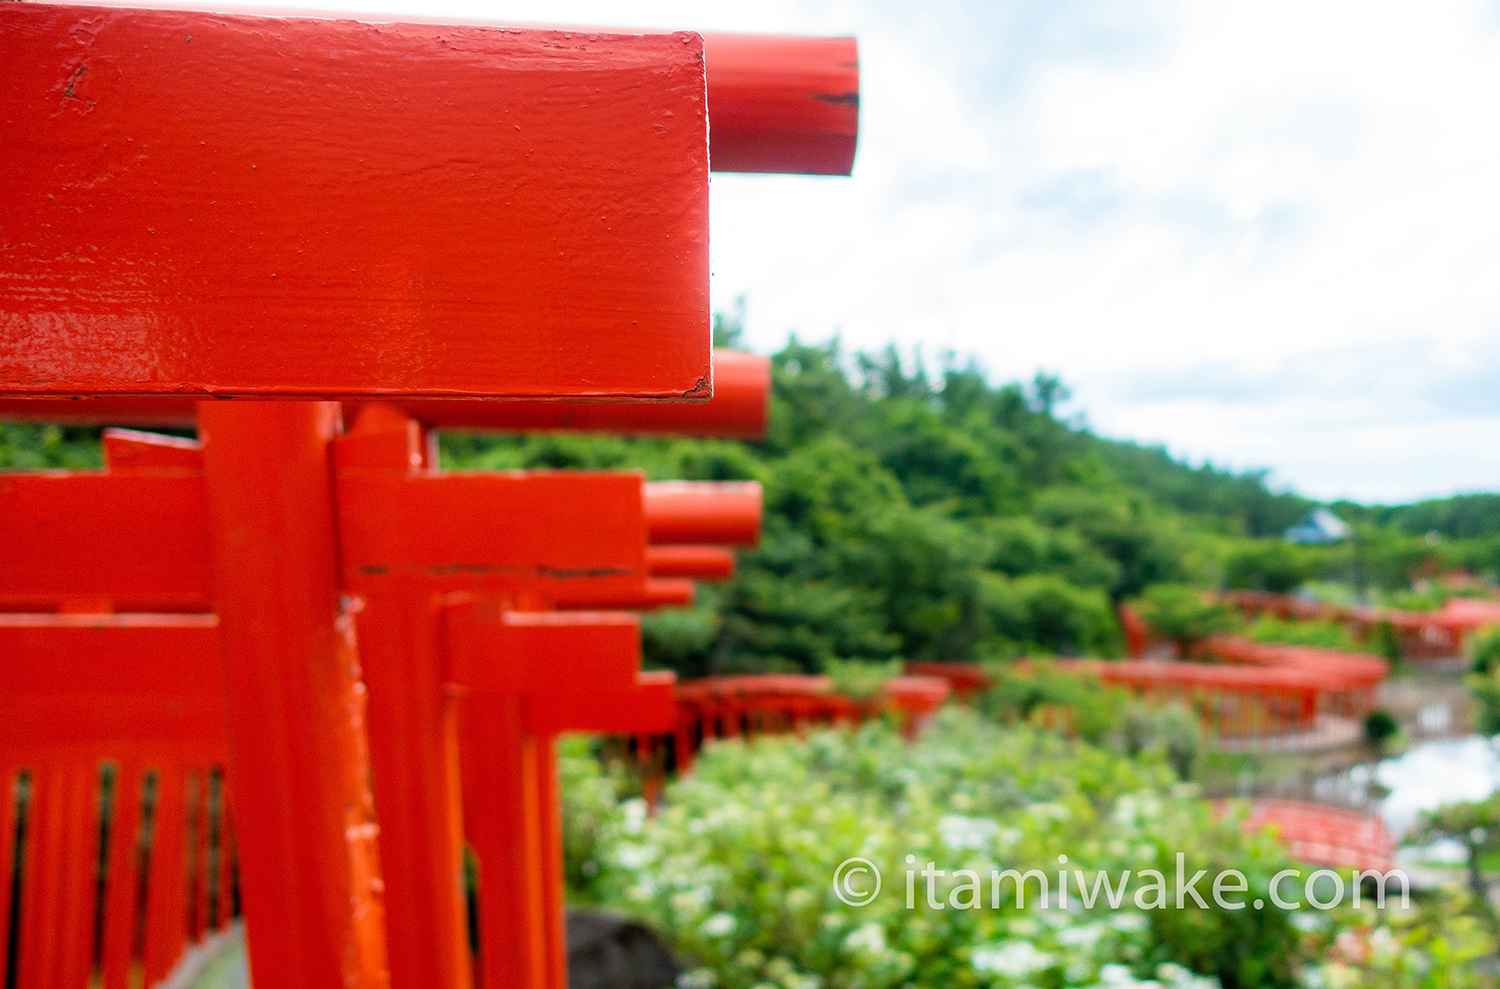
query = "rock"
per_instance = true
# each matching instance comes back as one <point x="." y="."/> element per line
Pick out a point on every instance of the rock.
<point x="608" y="951"/>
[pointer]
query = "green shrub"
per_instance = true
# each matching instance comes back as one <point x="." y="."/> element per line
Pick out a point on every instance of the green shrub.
<point x="1380" y="727"/>
<point x="1268" y="565"/>
<point x="1323" y="634"/>
<point x="1046" y="613"/>
<point x="1021" y="692"/>
<point x="1407" y="599"/>
<point x="736" y="869"/>
<point x="1170" y="730"/>
<point x="37" y="446"/>
<point x="1385" y="641"/>
<point x="1183" y="614"/>
<point x="1485" y="689"/>
<point x="595" y="800"/>
<point x="861" y="679"/>
<point x="1484" y="650"/>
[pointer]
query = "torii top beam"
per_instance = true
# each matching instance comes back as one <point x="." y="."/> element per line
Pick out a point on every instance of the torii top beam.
<point x="231" y="204"/>
<point x="233" y="228"/>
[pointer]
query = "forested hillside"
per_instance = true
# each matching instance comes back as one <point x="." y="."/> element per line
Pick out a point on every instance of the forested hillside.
<point x="930" y="514"/>
<point x="927" y="513"/>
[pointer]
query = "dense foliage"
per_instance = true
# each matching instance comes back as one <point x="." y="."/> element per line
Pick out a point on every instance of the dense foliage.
<point x="1186" y="615"/>
<point x="736" y="870"/>
<point x="1460" y="517"/>
<point x="25" y="446"/>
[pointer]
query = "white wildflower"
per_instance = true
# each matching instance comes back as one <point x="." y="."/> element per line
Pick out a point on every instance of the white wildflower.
<point x="866" y="937"/>
<point x="720" y="924"/>
<point x="1015" y="959"/>
<point x="1049" y="811"/>
<point x="960" y="833"/>
<point x="698" y="978"/>
<point x="635" y="812"/>
<point x="632" y="856"/>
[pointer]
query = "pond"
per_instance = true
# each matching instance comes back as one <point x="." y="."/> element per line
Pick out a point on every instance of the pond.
<point x="1433" y="773"/>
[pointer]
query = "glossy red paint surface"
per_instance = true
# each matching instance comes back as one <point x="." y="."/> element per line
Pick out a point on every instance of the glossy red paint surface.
<point x="648" y="706"/>
<point x="504" y="818"/>
<point x="526" y="677"/>
<point x="653" y="593"/>
<point x="411" y="538"/>
<point x="108" y="541"/>
<point x="698" y="562"/>
<point x="723" y="513"/>
<point x="310" y="875"/>
<point x="136" y="537"/>
<point x="273" y="206"/>
<point x="542" y="652"/>
<point x="143" y="693"/>
<point x="783" y="104"/>
<point x="534" y="533"/>
<point x="738" y="409"/>
<point x="137" y="682"/>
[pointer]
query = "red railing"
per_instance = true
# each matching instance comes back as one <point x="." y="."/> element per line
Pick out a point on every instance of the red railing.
<point x="1255" y="690"/>
<point x="1422" y="635"/>
<point x="1324" y="836"/>
<point x="774" y="703"/>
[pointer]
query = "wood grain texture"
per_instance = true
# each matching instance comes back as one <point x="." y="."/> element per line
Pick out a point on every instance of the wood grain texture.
<point x="293" y="207"/>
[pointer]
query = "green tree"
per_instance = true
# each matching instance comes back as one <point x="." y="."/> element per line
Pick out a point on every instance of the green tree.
<point x="1267" y="565"/>
<point x="1184" y="614"/>
<point x="1474" y="824"/>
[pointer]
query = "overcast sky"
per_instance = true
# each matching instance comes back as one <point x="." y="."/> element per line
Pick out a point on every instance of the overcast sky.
<point x="1263" y="234"/>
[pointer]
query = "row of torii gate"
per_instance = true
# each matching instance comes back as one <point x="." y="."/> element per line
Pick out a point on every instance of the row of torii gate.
<point x="301" y="649"/>
<point x="1422" y="636"/>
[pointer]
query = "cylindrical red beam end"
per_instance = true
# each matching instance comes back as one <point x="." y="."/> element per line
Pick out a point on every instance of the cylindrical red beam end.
<point x="782" y="104"/>
<point x="696" y="562"/>
<point x="718" y="513"/>
<point x="737" y="410"/>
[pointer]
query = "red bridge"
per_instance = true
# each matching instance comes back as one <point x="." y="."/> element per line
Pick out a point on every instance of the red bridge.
<point x="1324" y="836"/>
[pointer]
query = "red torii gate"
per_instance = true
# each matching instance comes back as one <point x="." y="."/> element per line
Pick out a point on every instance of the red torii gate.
<point x="413" y="537"/>
<point x="579" y="549"/>
<point x="748" y="705"/>
<point x="236" y="239"/>
<point x="153" y="492"/>
<point x="146" y="691"/>
<point x="1423" y="635"/>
